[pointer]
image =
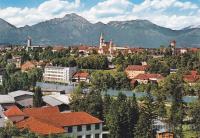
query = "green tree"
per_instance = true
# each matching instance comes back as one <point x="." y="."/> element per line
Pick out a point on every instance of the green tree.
<point x="173" y="87"/>
<point x="122" y="116"/>
<point x="102" y="80"/>
<point x="195" y="114"/>
<point x="144" y="128"/>
<point x="121" y="81"/>
<point x="37" y="98"/>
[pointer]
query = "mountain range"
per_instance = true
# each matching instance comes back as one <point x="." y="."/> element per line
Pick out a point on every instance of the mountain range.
<point x="73" y="29"/>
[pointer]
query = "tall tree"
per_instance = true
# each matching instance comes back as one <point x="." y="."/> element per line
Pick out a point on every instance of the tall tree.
<point x="147" y="116"/>
<point x="37" y="98"/>
<point x="122" y="117"/>
<point x="173" y="87"/>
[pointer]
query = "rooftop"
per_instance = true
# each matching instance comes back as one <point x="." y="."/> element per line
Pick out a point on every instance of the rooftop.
<point x="13" y="111"/>
<point x="148" y="76"/>
<point x="137" y="67"/>
<point x="6" y="99"/>
<point x="19" y="93"/>
<point x="46" y="120"/>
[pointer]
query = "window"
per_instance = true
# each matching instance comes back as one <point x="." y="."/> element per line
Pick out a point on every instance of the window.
<point x="88" y="136"/>
<point x="79" y="128"/>
<point x="79" y="136"/>
<point x="88" y="127"/>
<point x="97" y="136"/>
<point x="97" y="126"/>
<point x="70" y="129"/>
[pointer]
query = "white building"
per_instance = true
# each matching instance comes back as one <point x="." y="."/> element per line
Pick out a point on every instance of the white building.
<point x="59" y="74"/>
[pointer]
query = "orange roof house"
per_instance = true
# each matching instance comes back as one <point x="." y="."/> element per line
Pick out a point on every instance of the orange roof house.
<point x="191" y="78"/>
<point x="28" y="65"/>
<point x="81" y="76"/>
<point x="49" y="120"/>
<point x="133" y="70"/>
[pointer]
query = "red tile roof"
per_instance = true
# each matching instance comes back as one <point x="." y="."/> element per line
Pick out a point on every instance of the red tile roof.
<point x="137" y="67"/>
<point x="81" y="75"/>
<point x="13" y="111"/>
<point x="148" y="76"/>
<point x="192" y="77"/>
<point x="28" y="65"/>
<point x="41" y="111"/>
<point x="38" y="126"/>
<point x="52" y="121"/>
<point x="82" y="47"/>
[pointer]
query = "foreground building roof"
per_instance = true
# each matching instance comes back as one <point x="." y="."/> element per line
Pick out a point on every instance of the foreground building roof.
<point x="39" y="126"/>
<point x="13" y="111"/>
<point x="49" y="120"/>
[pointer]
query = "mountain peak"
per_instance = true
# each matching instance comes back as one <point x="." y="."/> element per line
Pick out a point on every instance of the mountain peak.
<point x="75" y="17"/>
<point x="5" y="25"/>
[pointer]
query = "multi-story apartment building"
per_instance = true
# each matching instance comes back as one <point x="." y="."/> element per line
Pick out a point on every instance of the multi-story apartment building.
<point x="59" y="74"/>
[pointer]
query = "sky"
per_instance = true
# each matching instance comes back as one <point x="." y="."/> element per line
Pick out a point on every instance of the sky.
<point x="174" y="14"/>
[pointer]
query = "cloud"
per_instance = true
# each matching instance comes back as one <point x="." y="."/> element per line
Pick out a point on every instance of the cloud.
<point x="174" y="14"/>
<point x="45" y="11"/>
<point x="108" y="10"/>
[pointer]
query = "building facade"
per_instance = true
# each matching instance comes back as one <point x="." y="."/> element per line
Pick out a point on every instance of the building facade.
<point x="133" y="70"/>
<point x="59" y="74"/>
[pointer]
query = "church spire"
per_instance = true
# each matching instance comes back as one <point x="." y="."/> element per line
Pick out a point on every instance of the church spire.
<point x="101" y="41"/>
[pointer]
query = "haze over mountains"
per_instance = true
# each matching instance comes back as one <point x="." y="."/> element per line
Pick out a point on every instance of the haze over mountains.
<point x="73" y="29"/>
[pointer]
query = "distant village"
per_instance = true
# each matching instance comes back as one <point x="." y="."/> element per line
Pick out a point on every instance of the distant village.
<point x="79" y="67"/>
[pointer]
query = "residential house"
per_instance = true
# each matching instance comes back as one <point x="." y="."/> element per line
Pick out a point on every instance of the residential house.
<point x="133" y="70"/>
<point x="83" y="49"/>
<point x="145" y="78"/>
<point x="58" y="74"/>
<point x="49" y="120"/>
<point x="81" y="77"/>
<point x="192" y="77"/>
<point x="28" y="65"/>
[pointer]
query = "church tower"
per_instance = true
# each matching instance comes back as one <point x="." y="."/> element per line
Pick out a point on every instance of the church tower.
<point x="29" y="41"/>
<point x="101" y="41"/>
<point x="110" y="47"/>
<point x="173" y="47"/>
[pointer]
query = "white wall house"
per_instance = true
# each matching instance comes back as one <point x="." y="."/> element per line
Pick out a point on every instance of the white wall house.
<point x="59" y="74"/>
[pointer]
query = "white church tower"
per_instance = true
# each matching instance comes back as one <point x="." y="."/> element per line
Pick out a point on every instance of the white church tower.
<point x="101" y="41"/>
